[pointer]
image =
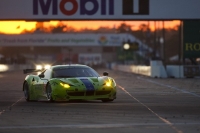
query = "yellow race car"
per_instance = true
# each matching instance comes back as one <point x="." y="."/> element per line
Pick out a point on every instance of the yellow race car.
<point x="69" y="82"/>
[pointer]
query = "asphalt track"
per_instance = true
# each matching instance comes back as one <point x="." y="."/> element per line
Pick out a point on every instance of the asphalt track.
<point x="143" y="105"/>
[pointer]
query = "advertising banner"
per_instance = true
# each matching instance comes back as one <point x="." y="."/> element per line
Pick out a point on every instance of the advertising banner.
<point x="65" y="39"/>
<point x="191" y="39"/>
<point x="99" y="9"/>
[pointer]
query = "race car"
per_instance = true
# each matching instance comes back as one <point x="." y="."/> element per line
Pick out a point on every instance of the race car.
<point x="68" y="82"/>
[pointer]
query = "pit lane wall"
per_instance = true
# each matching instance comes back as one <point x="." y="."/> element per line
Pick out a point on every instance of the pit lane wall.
<point x="155" y="70"/>
<point x="7" y="68"/>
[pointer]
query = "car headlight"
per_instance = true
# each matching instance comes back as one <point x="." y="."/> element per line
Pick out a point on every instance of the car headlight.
<point x="108" y="83"/>
<point x="39" y="67"/>
<point x="65" y="85"/>
<point x="47" y="66"/>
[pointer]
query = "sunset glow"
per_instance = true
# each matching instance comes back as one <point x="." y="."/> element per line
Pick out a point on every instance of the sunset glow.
<point x="16" y="27"/>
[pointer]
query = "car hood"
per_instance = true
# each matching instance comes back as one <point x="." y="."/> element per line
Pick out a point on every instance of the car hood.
<point x="80" y="80"/>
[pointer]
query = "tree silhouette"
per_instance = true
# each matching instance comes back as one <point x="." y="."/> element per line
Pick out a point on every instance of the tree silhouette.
<point x="124" y="28"/>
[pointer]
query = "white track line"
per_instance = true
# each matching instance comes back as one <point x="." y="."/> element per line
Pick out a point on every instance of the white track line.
<point x="11" y="106"/>
<point x="168" y="86"/>
<point x="161" y="118"/>
<point x="94" y="125"/>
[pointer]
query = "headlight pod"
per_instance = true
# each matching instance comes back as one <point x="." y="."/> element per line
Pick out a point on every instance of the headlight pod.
<point x="65" y="85"/>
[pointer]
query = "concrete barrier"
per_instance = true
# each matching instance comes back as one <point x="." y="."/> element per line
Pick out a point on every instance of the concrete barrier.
<point x="156" y="70"/>
<point x="5" y="68"/>
<point x="144" y="70"/>
<point x="175" y="71"/>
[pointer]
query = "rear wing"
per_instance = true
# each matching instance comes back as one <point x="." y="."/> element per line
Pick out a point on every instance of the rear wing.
<point x="31" y="70"/>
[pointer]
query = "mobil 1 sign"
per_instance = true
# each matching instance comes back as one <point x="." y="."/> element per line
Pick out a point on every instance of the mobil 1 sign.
<point x="191" y="38"/>
<point x="99" y="9"/>
<point x="90" y="7"/>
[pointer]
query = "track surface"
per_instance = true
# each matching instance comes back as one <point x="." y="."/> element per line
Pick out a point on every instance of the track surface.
<point x="143" y="105"/>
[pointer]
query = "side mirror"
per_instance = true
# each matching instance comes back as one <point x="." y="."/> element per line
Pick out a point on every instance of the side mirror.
<point x="105" y="73"/>
<point x="41" y="75"/>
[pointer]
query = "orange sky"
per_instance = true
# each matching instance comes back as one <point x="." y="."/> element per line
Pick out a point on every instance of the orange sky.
<point x="16" y="27"/>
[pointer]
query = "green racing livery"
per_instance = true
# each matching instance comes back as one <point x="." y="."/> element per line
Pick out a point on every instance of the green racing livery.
<point x="69" y="82"/>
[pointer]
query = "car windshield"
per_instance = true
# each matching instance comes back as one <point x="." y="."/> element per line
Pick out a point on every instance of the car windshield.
<point x="74" y="72"/>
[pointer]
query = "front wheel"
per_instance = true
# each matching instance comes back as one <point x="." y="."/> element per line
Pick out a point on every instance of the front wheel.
<point x="49" y="93"/>
<point x="26" y="92"/>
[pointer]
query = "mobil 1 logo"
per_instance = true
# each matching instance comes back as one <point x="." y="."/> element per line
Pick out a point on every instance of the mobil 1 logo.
<point x="135" y="7"/>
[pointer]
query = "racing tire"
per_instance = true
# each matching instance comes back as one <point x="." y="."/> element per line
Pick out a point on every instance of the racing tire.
<point x="49" y="93"/>
<point x="26" y="91"/>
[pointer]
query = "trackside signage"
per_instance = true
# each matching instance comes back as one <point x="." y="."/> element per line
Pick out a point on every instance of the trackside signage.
<point x="98" y="9"/>
<point x="104" y="7"/>
<point x="64" y="39"/>
<point x="191" y="40"/>
<point x="75" y="5"/>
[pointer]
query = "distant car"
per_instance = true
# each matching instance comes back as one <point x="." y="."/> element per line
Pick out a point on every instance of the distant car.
<point x="69" y="82"/>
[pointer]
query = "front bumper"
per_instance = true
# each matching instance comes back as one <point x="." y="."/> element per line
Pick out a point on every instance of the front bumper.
<point x="84" y="95"/>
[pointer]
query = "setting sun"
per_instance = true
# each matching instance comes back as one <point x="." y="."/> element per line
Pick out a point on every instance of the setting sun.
<point x="16" y="27"/>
